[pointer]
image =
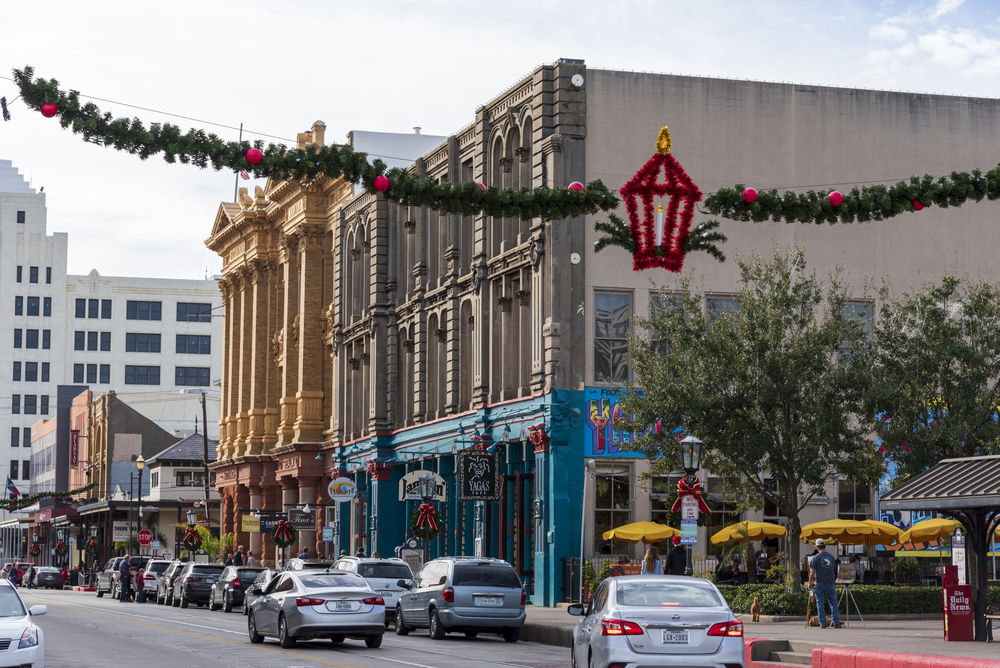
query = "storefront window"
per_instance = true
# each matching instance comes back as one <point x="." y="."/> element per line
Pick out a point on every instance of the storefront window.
<point x="853" y="503"/>
<point x="660" y="489"/>
<point x="612" y="507"/>
<point x="723" y="514"/>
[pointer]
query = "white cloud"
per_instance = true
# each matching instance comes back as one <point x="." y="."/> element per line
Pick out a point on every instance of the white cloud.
<point x="945" y="7"/>
<point x="887" y="32"/>
<point x="963" y="50"/>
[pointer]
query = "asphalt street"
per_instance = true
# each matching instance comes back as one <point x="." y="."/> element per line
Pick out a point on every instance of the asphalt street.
<point x="83" y="631"/>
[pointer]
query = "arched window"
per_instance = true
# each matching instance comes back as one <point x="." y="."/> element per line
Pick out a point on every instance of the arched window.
<point x="524" y="166"/>
<point x="349" y="260"/>
<point x="465" y="357"/>
<point x="432" y="365"/>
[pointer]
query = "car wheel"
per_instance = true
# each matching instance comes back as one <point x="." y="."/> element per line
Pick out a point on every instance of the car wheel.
<point x="434" y="626"/>
<point x="227" y="603"/>
<point x="100" y="594"/>
<point x="255" y="637"/>
<point x="285" y="640"/>
<point x="159" y="600"/>
<point x="373" y="642"/>
<point x="114" y="592"/>
<point x="401" y="628"/>
<point x="511" y="635"/>
<point x="337" y="639"/>
<point x="471" y="634"/>
<point x="183" y="602"/>
<point x="211" y="602"/>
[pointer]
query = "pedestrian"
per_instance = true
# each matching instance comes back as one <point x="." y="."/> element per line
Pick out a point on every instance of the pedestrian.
<point x="30" y="577"/>
<point x="304" y="554"/>
<point x="64" y="576"/>
<point x="859" y="568"/>
<point x="343" y="553"/>
<point x="140" y="586"/>
<point x="124" y="578"/>
<point x="360" y="552"/>
<point x="619" y="569"/>
<point x="805" y="567"/>
<point x="229" y="559"/>
<point x="823" y="577"/>
<point x="238" y="557"/>
<point x="250" y="560"/>
<point x="376" y="555"/>
<point x="651" y="564"/>
<point x="676" y="559"/>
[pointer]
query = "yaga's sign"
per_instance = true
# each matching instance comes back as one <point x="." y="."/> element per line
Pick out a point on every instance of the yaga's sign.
<point x="479" y="476"/>
<point x="409" y="487"/>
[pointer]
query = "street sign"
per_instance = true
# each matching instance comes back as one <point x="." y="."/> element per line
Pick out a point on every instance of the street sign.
<point x="409" y="487"/>
<point x="155" y="545"/>
<point x="342" y="489"/>
<point x="251" y="524"/>
<point x="479" y="476"/>
<point x="302" y="520"/>
<point x="145" y="537"/>
<point x="327" y="534"/>
<point x="689" y="508"/>
<point x="689" y="532"/>
<point x="958" y="554"/>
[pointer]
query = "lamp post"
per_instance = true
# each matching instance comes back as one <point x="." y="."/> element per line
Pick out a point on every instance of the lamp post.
<point x="61" y="536"/>
<point x="427" y="494"/>
<point x="690" y="462"/>
<point x="591" y="466"/>
<point x="140" y="464"/>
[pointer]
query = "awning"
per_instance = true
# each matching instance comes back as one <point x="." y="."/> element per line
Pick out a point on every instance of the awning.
<point x="967" y="482"/>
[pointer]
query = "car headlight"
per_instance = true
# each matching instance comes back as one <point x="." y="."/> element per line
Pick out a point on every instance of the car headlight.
<point x="29" y="638"/>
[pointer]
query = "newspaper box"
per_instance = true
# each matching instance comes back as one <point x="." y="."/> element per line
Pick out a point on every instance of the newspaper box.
<point x="958" y="617"/>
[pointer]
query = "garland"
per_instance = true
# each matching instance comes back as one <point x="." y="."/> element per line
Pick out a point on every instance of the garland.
<point x="192" y="539"/>
<point x="278" y="161"/>
<point x="701" y="238"/>
<point x="284" y="534"/>
<point x="92" y="546"/>
<point x="35" y="550"/>
<point x="61" y="548"/>
<point x="423" y="518"/>
<point x="25" y="501"/>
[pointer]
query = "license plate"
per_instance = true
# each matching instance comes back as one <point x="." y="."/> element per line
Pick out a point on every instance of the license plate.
<point x="343" y="605"/>
<point x="675" y="637"/>
<point x="385" y="594"/>
<point x="488" y="600"/>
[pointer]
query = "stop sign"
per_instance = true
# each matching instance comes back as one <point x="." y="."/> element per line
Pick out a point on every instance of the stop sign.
<point x="145" y="538"/>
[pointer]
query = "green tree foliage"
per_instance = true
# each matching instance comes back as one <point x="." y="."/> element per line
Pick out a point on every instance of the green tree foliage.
<point x="936" y="371"/>
<point x="774" y="386"/>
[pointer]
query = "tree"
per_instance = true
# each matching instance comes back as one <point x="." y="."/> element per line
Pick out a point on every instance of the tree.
<point x="937" y="365"/>
<point x="774" y="384"/>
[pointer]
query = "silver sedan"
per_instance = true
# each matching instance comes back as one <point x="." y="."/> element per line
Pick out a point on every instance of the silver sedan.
<point x="656" y="620"/>
<point x="303" y="605"/>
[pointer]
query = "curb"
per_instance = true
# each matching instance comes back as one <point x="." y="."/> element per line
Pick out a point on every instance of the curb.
<point x="772" y="619"/>
<point x="546" y="634"/>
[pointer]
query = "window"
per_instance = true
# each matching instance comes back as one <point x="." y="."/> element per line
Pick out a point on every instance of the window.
<point x="17" y="338"/>
<point x="105" y="309"/>
<point x="154" y="479"/>
<point x="17" y="371"/>
<point x="47" y="307"/>
<point x="48" y="274"/>
<point x="142" y="375"/>
<point x="19" y="273"/>
<point x="105" y="374"/>
<point x="612" y="505"/>
<point x="91" y="340"/>
<point x="45" y="372"/>
<point x="14" y="467"/>
<point x="20" y="217"/>
<point x="26" y="433"/>
<point x="25" y="469"/>
<point x="659" y="595"/>
<point x="105" y="341"/>
<point x="91" y="373"/>
<point x="142" y="310"/>
<point x="31" y="338"/>
<point x="31" y="372"/>
<point x="33" y="305"/>
<point x="45" y="404"/>
<point x="142" y="343"/>
<point x="78" y="373"/>
<point x="81" y="308"/>
<point x="18" y="305"/>
<point x="46" y="339"/>
<point x="32" y="274"/>
<point x="657" y="303"/>
<point x="194" y="345"/>
<point x="15" y="437"/>
<point x="30" y="404"/>
<point x="92" y="306"/>
<point x="723" y="513"/>
<point x="79" y="341"/>
<point x="194" y="312"/>
<point x="716" y="306"/>
<point x="612" y="317"/>
<point x="192" y="375"/>
<point x="660" y="488"/>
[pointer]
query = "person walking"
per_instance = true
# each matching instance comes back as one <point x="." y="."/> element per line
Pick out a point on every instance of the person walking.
<point x="229" y="559"/>
<point x="822" y="579"/>
<point x="250" y="560"/>
<point x="30" y="577"/>
<point x="140" y="586"/>
<point x="238" y="557"/>
<point x="651" y="564"/>
<point x="124" y="578"/>
<point x="304" y="554"/>
<point x="676" y="559"/>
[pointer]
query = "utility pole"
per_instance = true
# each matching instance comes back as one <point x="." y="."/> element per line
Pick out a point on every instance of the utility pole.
<point x="204" y="432"/>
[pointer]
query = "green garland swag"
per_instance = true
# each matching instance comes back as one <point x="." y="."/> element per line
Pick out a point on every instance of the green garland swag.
<point x="202" y="149"/>
<point x="418" y="532"/>
<point x="25" y="501"/>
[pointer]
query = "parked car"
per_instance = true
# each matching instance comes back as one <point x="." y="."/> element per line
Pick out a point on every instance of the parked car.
<point x="135" y="563"/>
<point x="107" y="578"/>
<point x="304" y="605"/>
<point x="194" y="583"/>
<point x="48" y="577"/>
<point x="684" y="620"/>
<point x="466" y="594"/>
<point x="154" y="568"/>
<point x="296" y="564"/>
<point x="165" y="583"/>
<point x="229" y="589"/>
<point x="257" y="587"/>
<point x="26" y="644"/>
<point x="382" y="574"/>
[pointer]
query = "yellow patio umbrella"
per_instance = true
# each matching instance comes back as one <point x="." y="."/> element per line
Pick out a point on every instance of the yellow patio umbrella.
<point x="885" y="533"/>
<point x="936" y="528"/>
<point x="647" y="532"/>
<point x="748" y="531"/>
<point x="844" y="532"/>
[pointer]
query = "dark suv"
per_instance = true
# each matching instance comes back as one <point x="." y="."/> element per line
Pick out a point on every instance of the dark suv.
<point x="229" y="589"/>
<point x="194" y="583"/>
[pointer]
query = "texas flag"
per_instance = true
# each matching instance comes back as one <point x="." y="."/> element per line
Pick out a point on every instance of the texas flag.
<point x="11" y="490"/>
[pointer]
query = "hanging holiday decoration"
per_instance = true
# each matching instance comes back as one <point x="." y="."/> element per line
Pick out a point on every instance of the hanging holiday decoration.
<point x="917" y="206"/>
<point x="61" y="548"/>
<point x="425" y="520"/>
<point x="49" y="110"/>
<point x="694" y="491"/>
<point x="280" y="162"/>
<point x="836" y="198"/>
<point x="381" y="183"/>
<point x="92" y="546"/>
<point x="481" y="185"/>
<point x="191" y="539"/>
<point x="35" y="550"/>
<point x="25" y="501"/>
<point x="254" y="156"/>
<point x="750" y="195"/>
<point x="576" y="187"/>
<point x="3" y="108"/>
<point x="284" y="534"/>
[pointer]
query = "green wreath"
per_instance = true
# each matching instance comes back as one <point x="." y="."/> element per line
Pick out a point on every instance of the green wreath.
<point x="283" y="533"/>
<point x="191" y="540"/>
<point x="35" y="550"/>
<point x="92" y="546"/>
<point x="431" y="532"/>
<point x="61" y="548"/>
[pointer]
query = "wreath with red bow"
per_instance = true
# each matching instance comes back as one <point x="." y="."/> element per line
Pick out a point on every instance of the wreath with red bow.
<point x="92" y="545"/>
<point x="284" y="534"/>
<point x="192" y="539"/>
<point x="61" y="548"/>
<point x="35" y="550"/>
<point x="426" y="521"/>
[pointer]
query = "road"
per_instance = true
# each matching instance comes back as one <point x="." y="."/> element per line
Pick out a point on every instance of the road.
<point x="83" y="631"/>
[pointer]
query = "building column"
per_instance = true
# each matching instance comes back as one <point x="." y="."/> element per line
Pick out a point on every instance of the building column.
<point x="242" y="494"/>
<point x="260" y="356"/>
<point x="289" y="499"/>
<point x="288" y="341"/>
<point x="307" y="495"/>
<point x="256" y="544"/>
<point x="245" y="332"/>
<point x="309" y="421"/>
<point x="380" y="512"/>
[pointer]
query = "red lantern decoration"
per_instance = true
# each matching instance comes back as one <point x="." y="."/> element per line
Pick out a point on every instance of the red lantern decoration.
<point x="49" y="110"/>
<point x="750" y="195"/>
<point x="576" y="187"/>
<point x="381" y="183"/>
<point x="254" y="156"/>
<point x="836" y="198"/>
<point x="917" y="206"/>
<point x="481" y="185"/>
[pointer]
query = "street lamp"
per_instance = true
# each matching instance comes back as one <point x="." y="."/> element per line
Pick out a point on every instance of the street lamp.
<point x="192" y="517"/>
<point x="93" y="531"/>
<point x="426" y="485"/>
<point x="140" y="464"/>
<point x="690" y="461"/>
<point x="60" y="535"/>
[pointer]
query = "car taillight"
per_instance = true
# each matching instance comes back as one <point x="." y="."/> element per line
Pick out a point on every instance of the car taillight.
<point x="614" y="627"/>
<point x="236" y="583"/>
<point x="306" y="601"/>
<point x="524" y="596"/>
<point x="448" y="594"/>
<point x="192" y="578"/>
<point x="374" y="600"/>
<point x="727" y="629"/>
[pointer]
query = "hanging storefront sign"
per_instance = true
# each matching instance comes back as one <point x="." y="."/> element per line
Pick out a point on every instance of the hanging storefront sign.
<point x="479" y="476"/>
<point x="268" y="520"/>
<point x="302" y="520"/>
<point x="958" y="554"/>
<point x="251" y="524"/>
<point x="409" y="487"/>
<point x="120" y="531"/>
<point x="608" y="433"/>
<point x="342" y="489"/>
<point x="74" y="447"/>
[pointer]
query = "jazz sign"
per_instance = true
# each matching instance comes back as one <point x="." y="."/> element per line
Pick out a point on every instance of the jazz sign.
<point x="479" y="476"/>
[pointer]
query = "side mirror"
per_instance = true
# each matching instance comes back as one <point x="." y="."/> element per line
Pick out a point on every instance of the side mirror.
<point x="403" y="583"/>
<point x="38" y="610"/>
<point x="576" y="609"/>
<point x="255" y="589"/>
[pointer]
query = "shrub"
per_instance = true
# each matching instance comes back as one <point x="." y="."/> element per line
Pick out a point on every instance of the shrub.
<point x="871" y="599"/>
<point x="589" y="577"/>
<point x="905" y="570"/>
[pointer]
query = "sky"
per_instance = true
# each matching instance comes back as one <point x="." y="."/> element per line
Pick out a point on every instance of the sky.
<point x="276" y="67"/>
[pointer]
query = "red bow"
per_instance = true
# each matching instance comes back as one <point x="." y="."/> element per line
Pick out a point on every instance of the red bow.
<point x="427" y="515"/>
<point x="283" y="530"/>
<point x="192" y="536"/>
<point x="683" y="489"/>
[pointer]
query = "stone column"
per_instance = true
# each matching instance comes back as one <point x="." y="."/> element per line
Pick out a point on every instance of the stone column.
<point x="288" y="343"/>
<point x="260" y="355"/>
<point x="289" y="499"/>
<point x="506" y="351"/>
<point x="309" y="422"/>
<point x="307" y="494"/>
<point x="242" y="502"/>
<point x="246" y="336"/>
<point x="256" y="545"/>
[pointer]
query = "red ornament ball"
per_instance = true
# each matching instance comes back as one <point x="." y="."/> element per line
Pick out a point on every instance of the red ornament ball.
<point x="836" y="198"/>
<point x="254" y="156"/>
<point x="49" y="110"/>
<point x="750" y="195"/>
<point x="381" y="183"/>
<point x="576" y="187"/>
<point x="917" y="206"/>
<point x="481" y="185"/>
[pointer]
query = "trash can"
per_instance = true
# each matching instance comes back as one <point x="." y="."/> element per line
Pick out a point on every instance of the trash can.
<point x="958" y="616"/>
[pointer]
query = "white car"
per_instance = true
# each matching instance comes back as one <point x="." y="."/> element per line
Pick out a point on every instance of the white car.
<point x="21" y="642"/>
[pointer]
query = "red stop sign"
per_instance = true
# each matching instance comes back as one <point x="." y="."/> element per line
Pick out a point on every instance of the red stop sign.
<point x="145" y="538"/>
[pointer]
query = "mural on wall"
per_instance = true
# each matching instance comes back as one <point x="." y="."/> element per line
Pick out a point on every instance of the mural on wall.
<point x="605" y="436"/>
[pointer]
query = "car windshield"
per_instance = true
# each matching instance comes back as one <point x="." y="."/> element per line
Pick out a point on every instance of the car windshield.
<point x="247" y="573"/>
<point x="324" y="580"/>
<point x="390" y="571"/>
<point x="10" y="603"/>
<point x="666" y="595"/>
<point x="488" y="576"/>
<point x="155" y="569"/>
<point x="313" y="565"/>
<point x="206" y="570"/>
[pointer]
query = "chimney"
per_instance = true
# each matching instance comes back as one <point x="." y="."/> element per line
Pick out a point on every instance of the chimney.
<point x="318" y="133"/>
<point x="416" y="130"/>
